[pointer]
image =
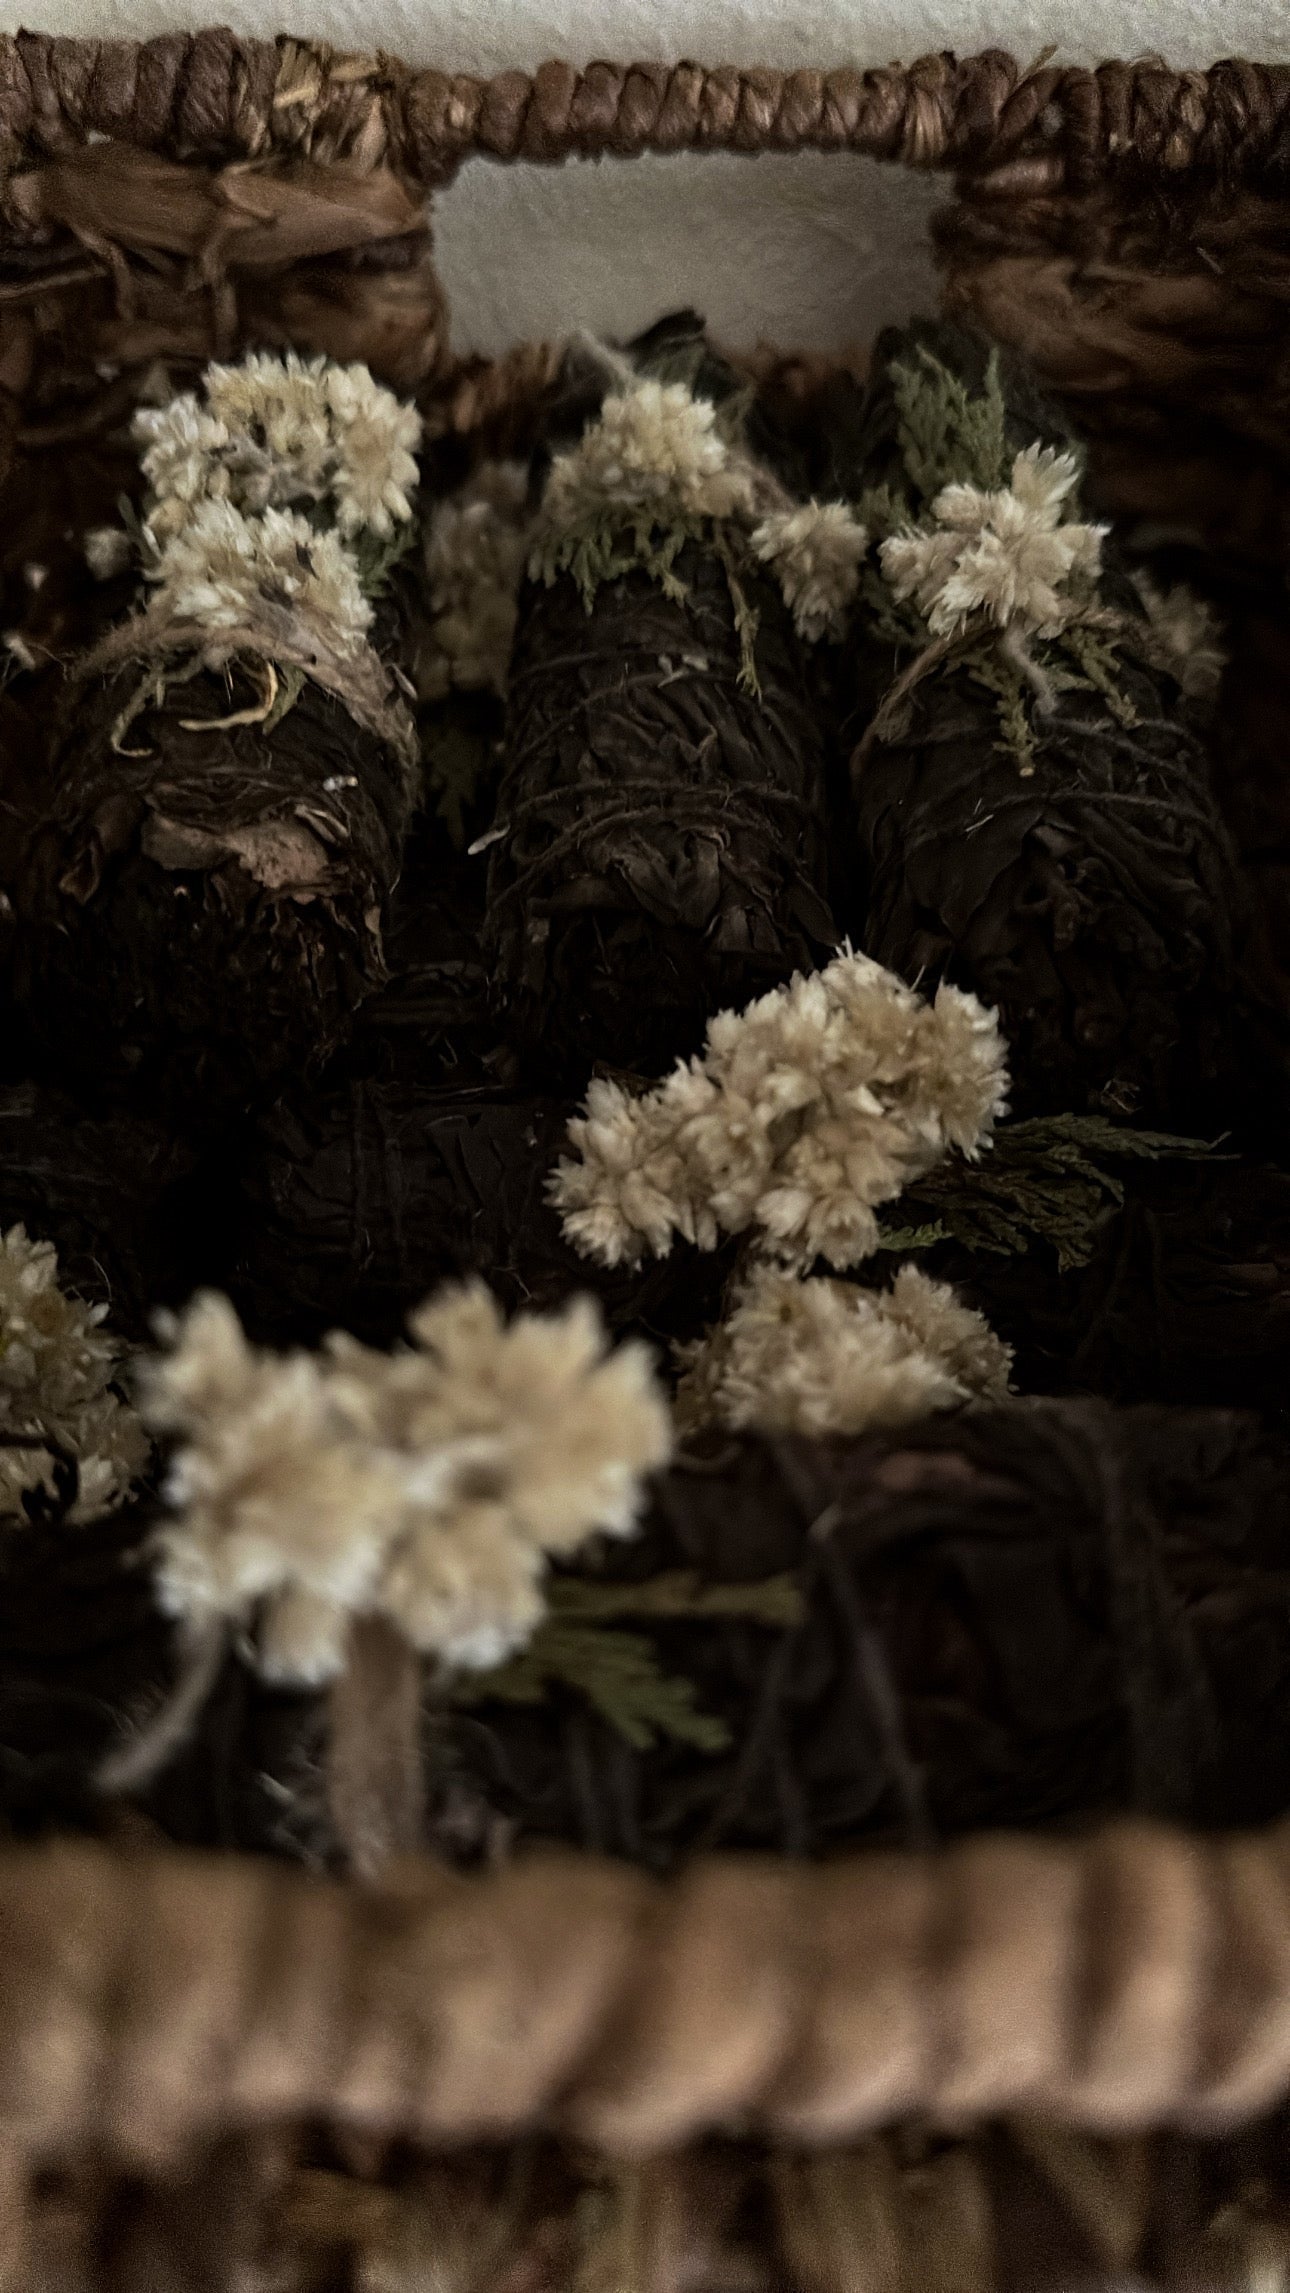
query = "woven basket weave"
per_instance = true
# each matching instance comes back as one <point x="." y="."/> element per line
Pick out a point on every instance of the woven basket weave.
<point x="1009" y="2063"/>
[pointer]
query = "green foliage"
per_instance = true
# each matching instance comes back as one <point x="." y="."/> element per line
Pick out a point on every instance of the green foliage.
<point x="950" y="435"/>
<point x="577" y="1646"/>
<point x="987" y="666"/>
<point x="1044" y="1181"/>
<point x="613" y="544"/>
<point x="373" y="558"/>
<point x="771" y="1600"/>
<point x="1097" y="657"/>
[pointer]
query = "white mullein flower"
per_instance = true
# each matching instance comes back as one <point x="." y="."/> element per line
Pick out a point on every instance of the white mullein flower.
<point x="654" y="447"/>
<point x="815" y="553"/>
<point x="274" y="1500"/>
<point x="822" y="1357"/>
<point x="57" y="1365"/>
<point x="804" y="1112"/>
<point x="429" y="1485"/>
<point x="1007" y="554"/>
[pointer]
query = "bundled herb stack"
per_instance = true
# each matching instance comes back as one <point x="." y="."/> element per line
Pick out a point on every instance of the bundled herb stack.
<point x="430" y="1598"/>
<point x="235" y="768"/>
<point x="660" y="847"/>
<point x="1033" y="812"/>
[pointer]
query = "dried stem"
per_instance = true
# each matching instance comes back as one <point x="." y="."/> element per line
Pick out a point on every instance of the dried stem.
<point x="374" y="1779"/>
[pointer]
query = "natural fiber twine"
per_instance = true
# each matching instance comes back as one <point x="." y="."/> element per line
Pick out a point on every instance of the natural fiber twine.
<point x="1134" y="1980"/>
<point x="210" y="92"/>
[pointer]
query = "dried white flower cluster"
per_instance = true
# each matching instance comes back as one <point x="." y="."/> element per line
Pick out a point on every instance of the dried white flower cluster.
<point x="56" y="1370"/>
<point x="428" y="1485"/>
<point x="262" y="491"/>
<point x="820" y="1356"/>
<point x="656" y="451"/>
<point x="654" y="447"/>
<point x="282" y="433"/>
<point x="815" y="553"/>
<point x="1007" y="554"/>
<point x="821" y="1100"/>
<point x="1190" y="634"/>
<point x="222" y="566"/>
<point x="475" y="550"/>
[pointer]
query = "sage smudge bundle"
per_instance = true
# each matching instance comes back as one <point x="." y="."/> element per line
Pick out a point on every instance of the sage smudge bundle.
<point x="1034" y="817"/>
<point x="660" y="845"/>
<point x="235" y="766"/>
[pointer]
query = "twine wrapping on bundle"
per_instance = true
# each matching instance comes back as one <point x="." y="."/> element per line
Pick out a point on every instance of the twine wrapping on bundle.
<point x="216" y="896"/>
<point x="1041" y="1611"/>
<point x="117" y="1194"/>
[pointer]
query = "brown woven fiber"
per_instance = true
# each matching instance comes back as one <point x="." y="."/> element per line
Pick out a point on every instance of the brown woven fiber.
<point x="1136" y="1980"/>
<point x="186" y="94"/>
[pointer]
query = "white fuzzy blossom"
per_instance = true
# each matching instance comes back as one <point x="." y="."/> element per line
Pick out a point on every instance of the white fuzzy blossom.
<point x="820" y="1356"/>
<point x="1189" y="633"/>
<point x="429" y="1485"/>
<point x="475" y="548"/>
<point x="1008" y="554"/>
<point x="282" y="433"/>
<point x="57" y="1366"/>
<point x="654" y="448"/>
<point x="814" y="552"/>
<point x="223" y="566"/>
<point x="821" y="1100"/>
<point x="657" y="455"/>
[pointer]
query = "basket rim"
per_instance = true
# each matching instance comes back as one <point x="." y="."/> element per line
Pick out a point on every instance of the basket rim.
<point x="1029" y="129"/>
<point x="1137" y="1978"/>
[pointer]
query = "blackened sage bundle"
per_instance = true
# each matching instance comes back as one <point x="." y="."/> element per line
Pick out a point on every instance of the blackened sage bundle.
<point x="1034" y="816"/>
<point x="201" y="899"/>
<point x="660" y="843"/>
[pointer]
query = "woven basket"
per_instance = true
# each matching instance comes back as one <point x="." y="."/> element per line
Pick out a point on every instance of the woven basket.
<point x="1008" y="2063"/>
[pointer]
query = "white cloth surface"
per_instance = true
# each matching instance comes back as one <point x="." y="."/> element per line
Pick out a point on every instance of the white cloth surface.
<point x="803" y="249"/>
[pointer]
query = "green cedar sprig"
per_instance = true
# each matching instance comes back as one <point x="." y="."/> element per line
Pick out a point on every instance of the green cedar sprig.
<point x="579" y="1646"/>
<point x="1043" y="1181"/>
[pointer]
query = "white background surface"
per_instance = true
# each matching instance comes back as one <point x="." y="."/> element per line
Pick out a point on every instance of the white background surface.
<point x="805" y="249"/>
